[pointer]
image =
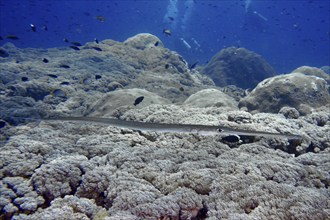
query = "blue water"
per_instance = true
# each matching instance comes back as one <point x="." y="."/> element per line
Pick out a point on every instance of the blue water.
<point x="288" y="34"/>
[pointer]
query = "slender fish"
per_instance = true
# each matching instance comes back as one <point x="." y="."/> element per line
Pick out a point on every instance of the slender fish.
<point x="174" y="128"/>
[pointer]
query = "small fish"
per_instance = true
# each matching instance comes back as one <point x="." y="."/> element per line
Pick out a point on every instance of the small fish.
<point x="64" y="83"/>
<point x="96" y="40"/>
<point x="24" y="79"/>
<point x="167" y="66"/>
<point x="167" y="32"/>
<point x="138" y="100"/>
<point x="33" y="27"/>
<point x="64" y="66"/>
<point x="100" y="18"/>
<point x="52" y="76"/>
<point x="45" y="28"/>
<point x="12" y="37"/>
<point x="3" y="53"/>
<point x="181" y="59"/>
<point x="76" y="43"/>
<point x="233" y="138"/>
<point x="66" y="40"/>
<point x="157" y="43"/>
<point x="45" y="60"/>
<point x="97" y="48"/>
<point x="193" y="65"/>
<point x="74" y="47"/>
<point x="2" y="124"/>
<point x="87" y="81"/>
<point x="59" y="93"/>
<point x="171" y="18"/>
<point x="98" y="77"/>
<point x="181" y="89"/>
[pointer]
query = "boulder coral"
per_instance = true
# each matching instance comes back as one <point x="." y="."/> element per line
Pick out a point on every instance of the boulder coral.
<point x="114" y="102"/>
<point x="319" y="72"/>
<point x="143" y="41"/>
<point x="290" y="90"/>
<point x="211" y="98"/>
<point x="239" y="67"/>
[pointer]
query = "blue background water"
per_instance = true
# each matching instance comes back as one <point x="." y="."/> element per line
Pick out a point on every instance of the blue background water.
<point x="288" y="34"/>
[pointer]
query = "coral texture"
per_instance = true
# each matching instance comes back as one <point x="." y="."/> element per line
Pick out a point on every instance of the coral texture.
<point x="57" y="169"/>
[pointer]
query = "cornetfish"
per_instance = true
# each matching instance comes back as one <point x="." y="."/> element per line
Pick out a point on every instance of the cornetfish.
<point x="173" y="128"/>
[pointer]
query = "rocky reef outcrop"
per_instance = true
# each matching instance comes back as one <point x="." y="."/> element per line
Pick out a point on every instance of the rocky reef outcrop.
<point x="120" y="62"/>
<point x="296" y="90"/>
<point x="33" y="81"/>
<point x="239" y="67"/>
<point x="319" y="72"/>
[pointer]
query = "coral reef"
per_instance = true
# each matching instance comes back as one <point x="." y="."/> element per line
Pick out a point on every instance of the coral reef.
<point x="55" y="169"/>
<point x="125" y="173"/>
<point x="71" y="81"/>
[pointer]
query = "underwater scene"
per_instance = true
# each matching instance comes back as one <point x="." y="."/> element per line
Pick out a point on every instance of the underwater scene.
<point x="164" y="109"/>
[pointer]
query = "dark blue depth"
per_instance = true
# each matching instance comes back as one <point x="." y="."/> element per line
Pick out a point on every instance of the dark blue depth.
<point x="288" y="34"/>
